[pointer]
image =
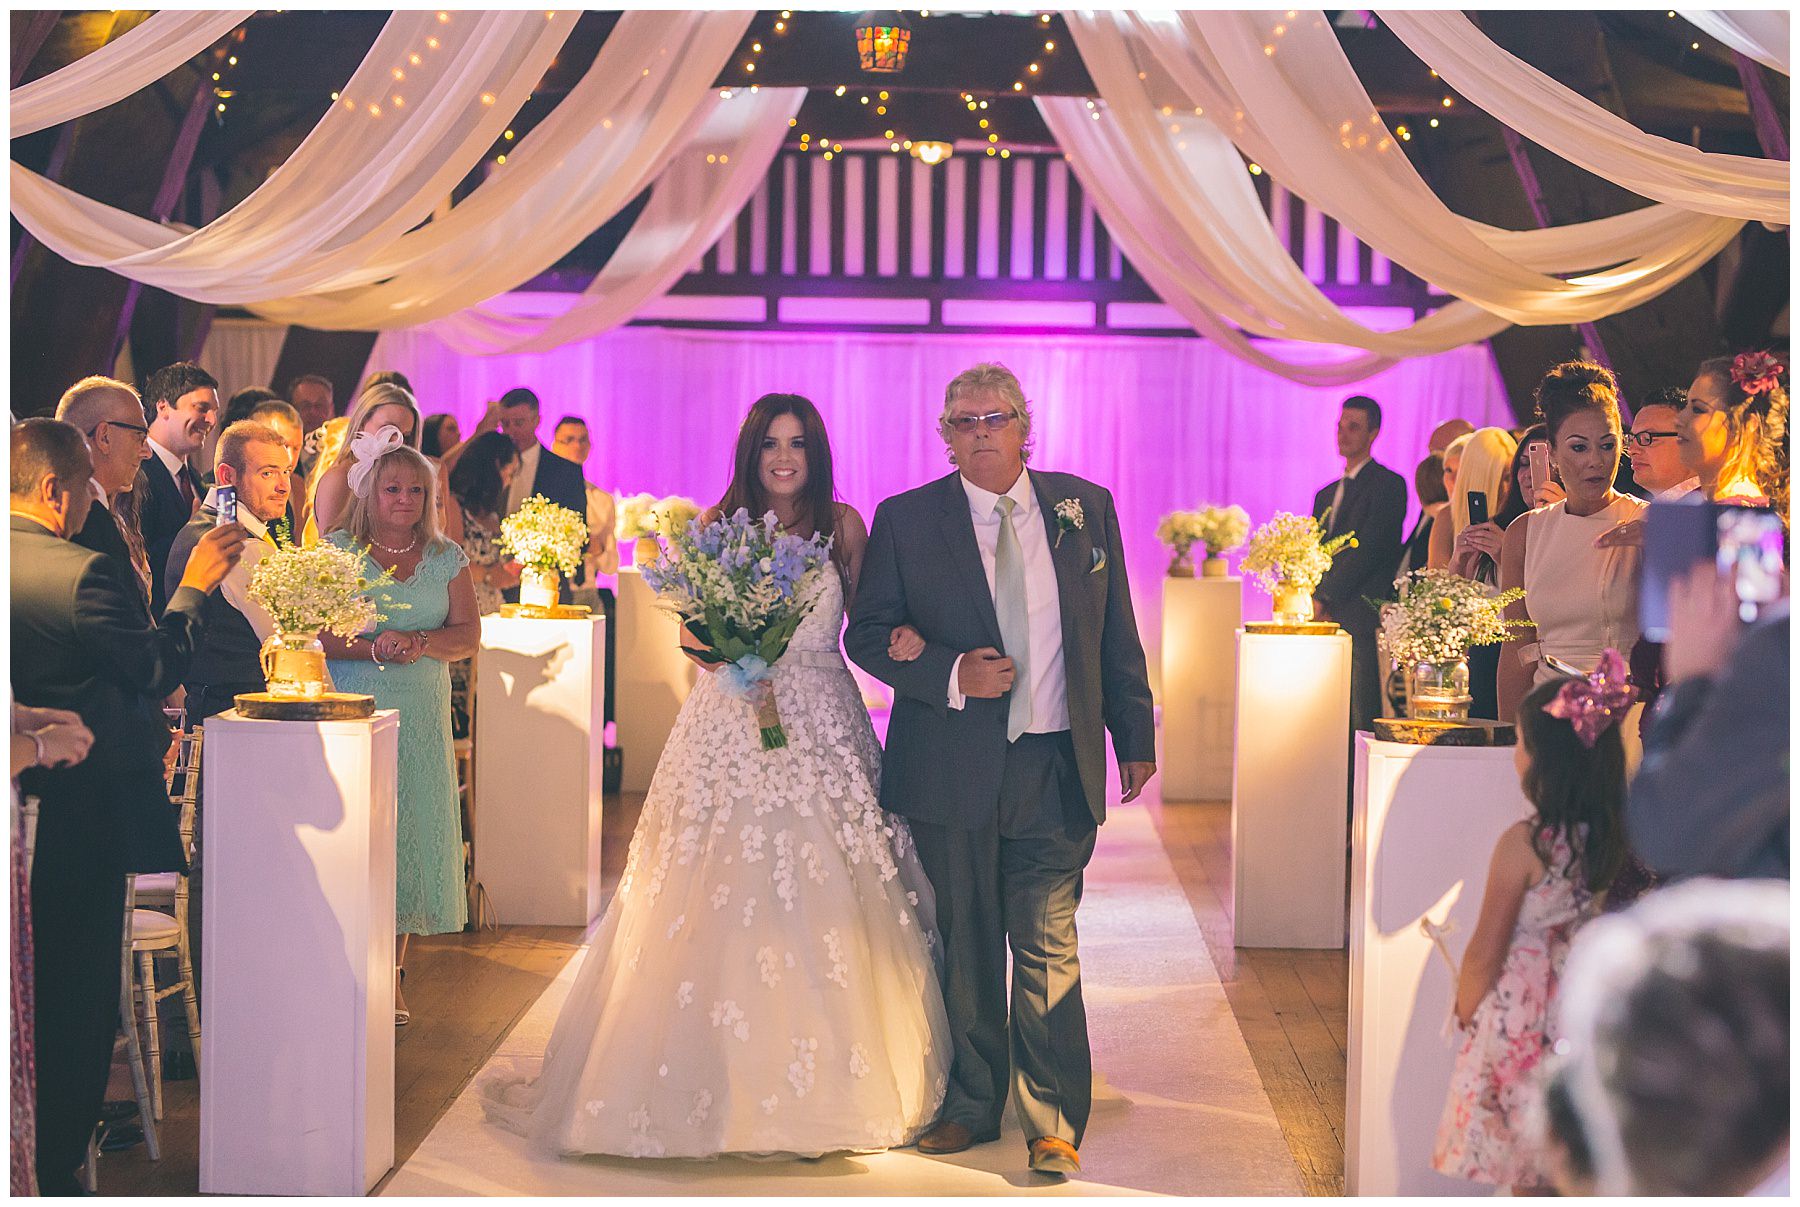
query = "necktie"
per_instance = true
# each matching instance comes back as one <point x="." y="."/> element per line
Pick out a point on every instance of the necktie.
<point x="1337" y="505"/>
<point x="187" y="488"/>
<point x="1014" y="613"/>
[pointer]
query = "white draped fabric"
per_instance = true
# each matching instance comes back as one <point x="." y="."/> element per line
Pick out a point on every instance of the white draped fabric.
<point x="1561" y="120"/>
<point x="135" y="59"/>
<point x="1761" y="34"/>
<point x="692" y="202"/>
<point x="646" y="93"/>
<point x="373" y="168"/>
<point x="1162" y="422"/>
<point x="1293" y="103"/>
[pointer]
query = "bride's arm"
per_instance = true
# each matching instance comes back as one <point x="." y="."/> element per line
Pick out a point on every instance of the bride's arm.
<point x="852" y="537"/>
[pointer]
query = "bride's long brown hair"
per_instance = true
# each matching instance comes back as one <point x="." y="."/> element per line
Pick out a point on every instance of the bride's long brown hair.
<point x="819" y="502"/>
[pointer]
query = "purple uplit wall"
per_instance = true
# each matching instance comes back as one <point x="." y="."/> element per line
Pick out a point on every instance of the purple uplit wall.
<point x="1163" y="423"/>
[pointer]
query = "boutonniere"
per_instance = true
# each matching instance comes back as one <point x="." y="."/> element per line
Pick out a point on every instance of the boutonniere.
<point x="1069" y="518"/>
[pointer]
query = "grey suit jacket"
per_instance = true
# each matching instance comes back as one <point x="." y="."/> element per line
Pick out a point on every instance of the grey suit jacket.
<point x="923" y="568"/>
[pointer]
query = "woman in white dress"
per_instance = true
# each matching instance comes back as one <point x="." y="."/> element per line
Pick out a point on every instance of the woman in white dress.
<point x="764" y="980"/>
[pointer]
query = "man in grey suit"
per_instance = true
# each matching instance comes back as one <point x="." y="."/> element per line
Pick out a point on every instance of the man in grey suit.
<point x="995" y="751"/>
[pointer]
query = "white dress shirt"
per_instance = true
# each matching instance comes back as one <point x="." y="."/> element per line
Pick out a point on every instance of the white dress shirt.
<point x="524" y="478"/>
<point x="1679" y="491"/>
<point x="236" y="587"/>
<point x="1044" y="660"/>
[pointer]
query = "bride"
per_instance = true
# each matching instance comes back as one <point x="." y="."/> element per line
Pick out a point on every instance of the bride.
<point x="763" y="980"/>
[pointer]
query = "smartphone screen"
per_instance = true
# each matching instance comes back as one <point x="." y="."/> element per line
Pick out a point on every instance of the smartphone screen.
<point x="1744" y="542"/>
<point x="1750" y="551"/>
<point x="225" y="499"/>
<point x="1478" y="507"/>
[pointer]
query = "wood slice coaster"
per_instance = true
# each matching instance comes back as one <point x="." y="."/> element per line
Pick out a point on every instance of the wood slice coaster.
<point x="1311" y="628"/>
<point x="332" y="706"/>
<point x="1473" y="732"/>
<point x="554" y="612"/>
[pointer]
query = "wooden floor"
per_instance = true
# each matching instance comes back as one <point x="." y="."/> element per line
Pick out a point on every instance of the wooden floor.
<point x="467" y="990"/>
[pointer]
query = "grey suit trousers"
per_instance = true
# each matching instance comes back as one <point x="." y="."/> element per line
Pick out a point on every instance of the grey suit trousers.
<point x="1015" y="883"/>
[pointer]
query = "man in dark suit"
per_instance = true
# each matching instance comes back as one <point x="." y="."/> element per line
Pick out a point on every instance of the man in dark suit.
<point x="540" y="472"/>
<point x="110" y="415"/>
<point x="180" y="404"/>
<point x="1369" y="500"/>
<point x="82" y="641"/>
<point x="996" y="750"/>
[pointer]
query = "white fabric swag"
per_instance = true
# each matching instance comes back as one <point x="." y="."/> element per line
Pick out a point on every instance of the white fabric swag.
<point x="1760" y="34"/>
<point x="694" y="199"/>
<point x="647" y="91"/>
<point x="1561" y="120"/>
<point x="1320" y="135"/>
<point x="372" y="169"/>
<point x="135" y="59"/>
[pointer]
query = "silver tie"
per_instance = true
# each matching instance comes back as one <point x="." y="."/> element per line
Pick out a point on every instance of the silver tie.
<point x="1014" y="611"/>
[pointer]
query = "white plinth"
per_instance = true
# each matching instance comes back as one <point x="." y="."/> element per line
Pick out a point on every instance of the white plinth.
<point x="1289" y="790"/>
<point x="1425" y="825"/>
<point x="1200" y="620"/>
<point x="653" y="678"/>
<point x="539" y="738"/>
<point x="297" y="1071"/>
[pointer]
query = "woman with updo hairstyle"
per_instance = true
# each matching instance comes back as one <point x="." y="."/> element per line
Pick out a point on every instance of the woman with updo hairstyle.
<point x="1580" y="598"/>
<point x="1733" y="431"/>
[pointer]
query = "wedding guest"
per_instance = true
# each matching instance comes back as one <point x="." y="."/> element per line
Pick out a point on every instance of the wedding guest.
<point x="1711" y="798"/>
<point x="440" y="436"/>
<point x="1434" y="500"/>
<point x="1581" y="599"/>
<point x="110" y="414"/>
<point x="285" y="421"/>
<point x="1369" y="500"/>
<point x="1545" y="880"/>
<point x="541" y="472"/>
<point x="1446" y="432"/>
<point x="181" y="402"/>
<point x="312" y="396"/>
<point x="1655" y="449"/>
<point x="430" y="622"/>
<point x="1732" y="433"/>
<point x="1474" y="550"/>
<point x="477" y="494"/>
<point x="41" y="737"/>
<point x="380" y="405"/>
<point x="242" y="405"/>
<point x="1675" y="1048"/>
<point x="82" y="641"/>
<point x="387" y="377"/>
<point x="1523" y="493"/>
<point x="571" y="442"/>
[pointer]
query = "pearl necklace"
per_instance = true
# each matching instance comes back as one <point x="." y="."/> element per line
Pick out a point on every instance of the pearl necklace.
<point x="411" y="545"/>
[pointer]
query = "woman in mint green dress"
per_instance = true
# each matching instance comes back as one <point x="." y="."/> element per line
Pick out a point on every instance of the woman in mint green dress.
<point x="431" y="621"/>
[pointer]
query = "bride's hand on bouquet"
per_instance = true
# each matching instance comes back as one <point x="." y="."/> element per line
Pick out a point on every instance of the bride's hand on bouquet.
<point x="905" y="644"/>
<point x="690" y="644"/>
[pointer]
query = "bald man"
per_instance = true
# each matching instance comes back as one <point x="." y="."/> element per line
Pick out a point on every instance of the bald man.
<point x="1445" y="432"/>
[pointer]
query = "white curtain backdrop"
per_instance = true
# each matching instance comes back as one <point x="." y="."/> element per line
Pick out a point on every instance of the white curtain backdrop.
<point x="1163" y="423"/>
<point x="1291" y="101"/>
<point x="1762" y="33"/>
<point x="372" y="169"/>
<point x="242" y="353"/>
<point x="692" y="202"/>
<point x="135" y="59"/>
<point x="646" y="93"/>
<point x="1559" y="119"/>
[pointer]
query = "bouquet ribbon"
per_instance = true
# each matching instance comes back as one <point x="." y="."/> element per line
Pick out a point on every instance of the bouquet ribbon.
<point x="750" y="678"/>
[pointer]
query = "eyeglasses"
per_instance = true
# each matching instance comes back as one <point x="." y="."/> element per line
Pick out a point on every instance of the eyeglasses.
<point x="139" y="428"/>
<point x="993" y="421"/>
<point x="1645" y="439"/>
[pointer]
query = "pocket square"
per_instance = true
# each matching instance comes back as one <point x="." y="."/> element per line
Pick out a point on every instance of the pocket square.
<point x="1099" y="562"/>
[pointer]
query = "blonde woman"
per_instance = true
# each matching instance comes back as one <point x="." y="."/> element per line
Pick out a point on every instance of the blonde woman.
<point x="430" y="622"/>
<point x="1486" y="470"/>
<point x="381" y="405"/>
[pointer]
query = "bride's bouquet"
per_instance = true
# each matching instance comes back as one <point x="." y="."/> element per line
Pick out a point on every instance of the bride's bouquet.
<point x="735" y="583"/>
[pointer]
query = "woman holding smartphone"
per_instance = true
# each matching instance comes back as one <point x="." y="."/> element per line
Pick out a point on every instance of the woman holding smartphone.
<point x="1581" y="597"/>
<point x="1471" y="540"/>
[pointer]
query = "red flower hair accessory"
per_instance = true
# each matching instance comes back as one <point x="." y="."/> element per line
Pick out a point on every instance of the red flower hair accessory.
<point x="1756" y="372"/>
<point x="1593" y="703"/>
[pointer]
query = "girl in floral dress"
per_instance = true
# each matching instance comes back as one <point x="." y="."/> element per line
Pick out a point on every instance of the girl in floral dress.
<point x="1547" y="877"/>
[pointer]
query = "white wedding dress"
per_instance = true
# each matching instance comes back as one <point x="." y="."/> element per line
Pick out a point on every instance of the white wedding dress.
<point x="764" y="980"/>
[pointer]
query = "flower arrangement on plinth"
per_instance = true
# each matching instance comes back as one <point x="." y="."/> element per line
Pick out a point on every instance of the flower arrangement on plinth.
<point x="643" y="518"/>
<point x="735" y="584"/>
<point x="671" y="515"/>
<point x="1218" y="529"/>
<point x="306" y="590"/>
<point x="1430" y="628"/>
<point x="546" y="540"/>
<point x="1289" y="556"/>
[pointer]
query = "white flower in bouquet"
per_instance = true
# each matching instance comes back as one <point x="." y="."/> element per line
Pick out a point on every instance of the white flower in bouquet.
<point x="318" y="587"/>
<point x="636" y="516"/>
<point x="1222" y="529"/>
<point x="669" y="517"/>
<point x="543" y="536"/>
<point x="1179" y="530"/>
<point x="1292" y="549"/>
<point x="1440" y="616"/>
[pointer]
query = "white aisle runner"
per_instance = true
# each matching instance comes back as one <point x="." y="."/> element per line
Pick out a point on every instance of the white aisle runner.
<point x="1181" y="1110"/>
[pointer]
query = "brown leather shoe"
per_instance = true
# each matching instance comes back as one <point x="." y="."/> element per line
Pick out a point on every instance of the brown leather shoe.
<point x="946" y="1137"/>
<point x="1053" y="1155"/>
